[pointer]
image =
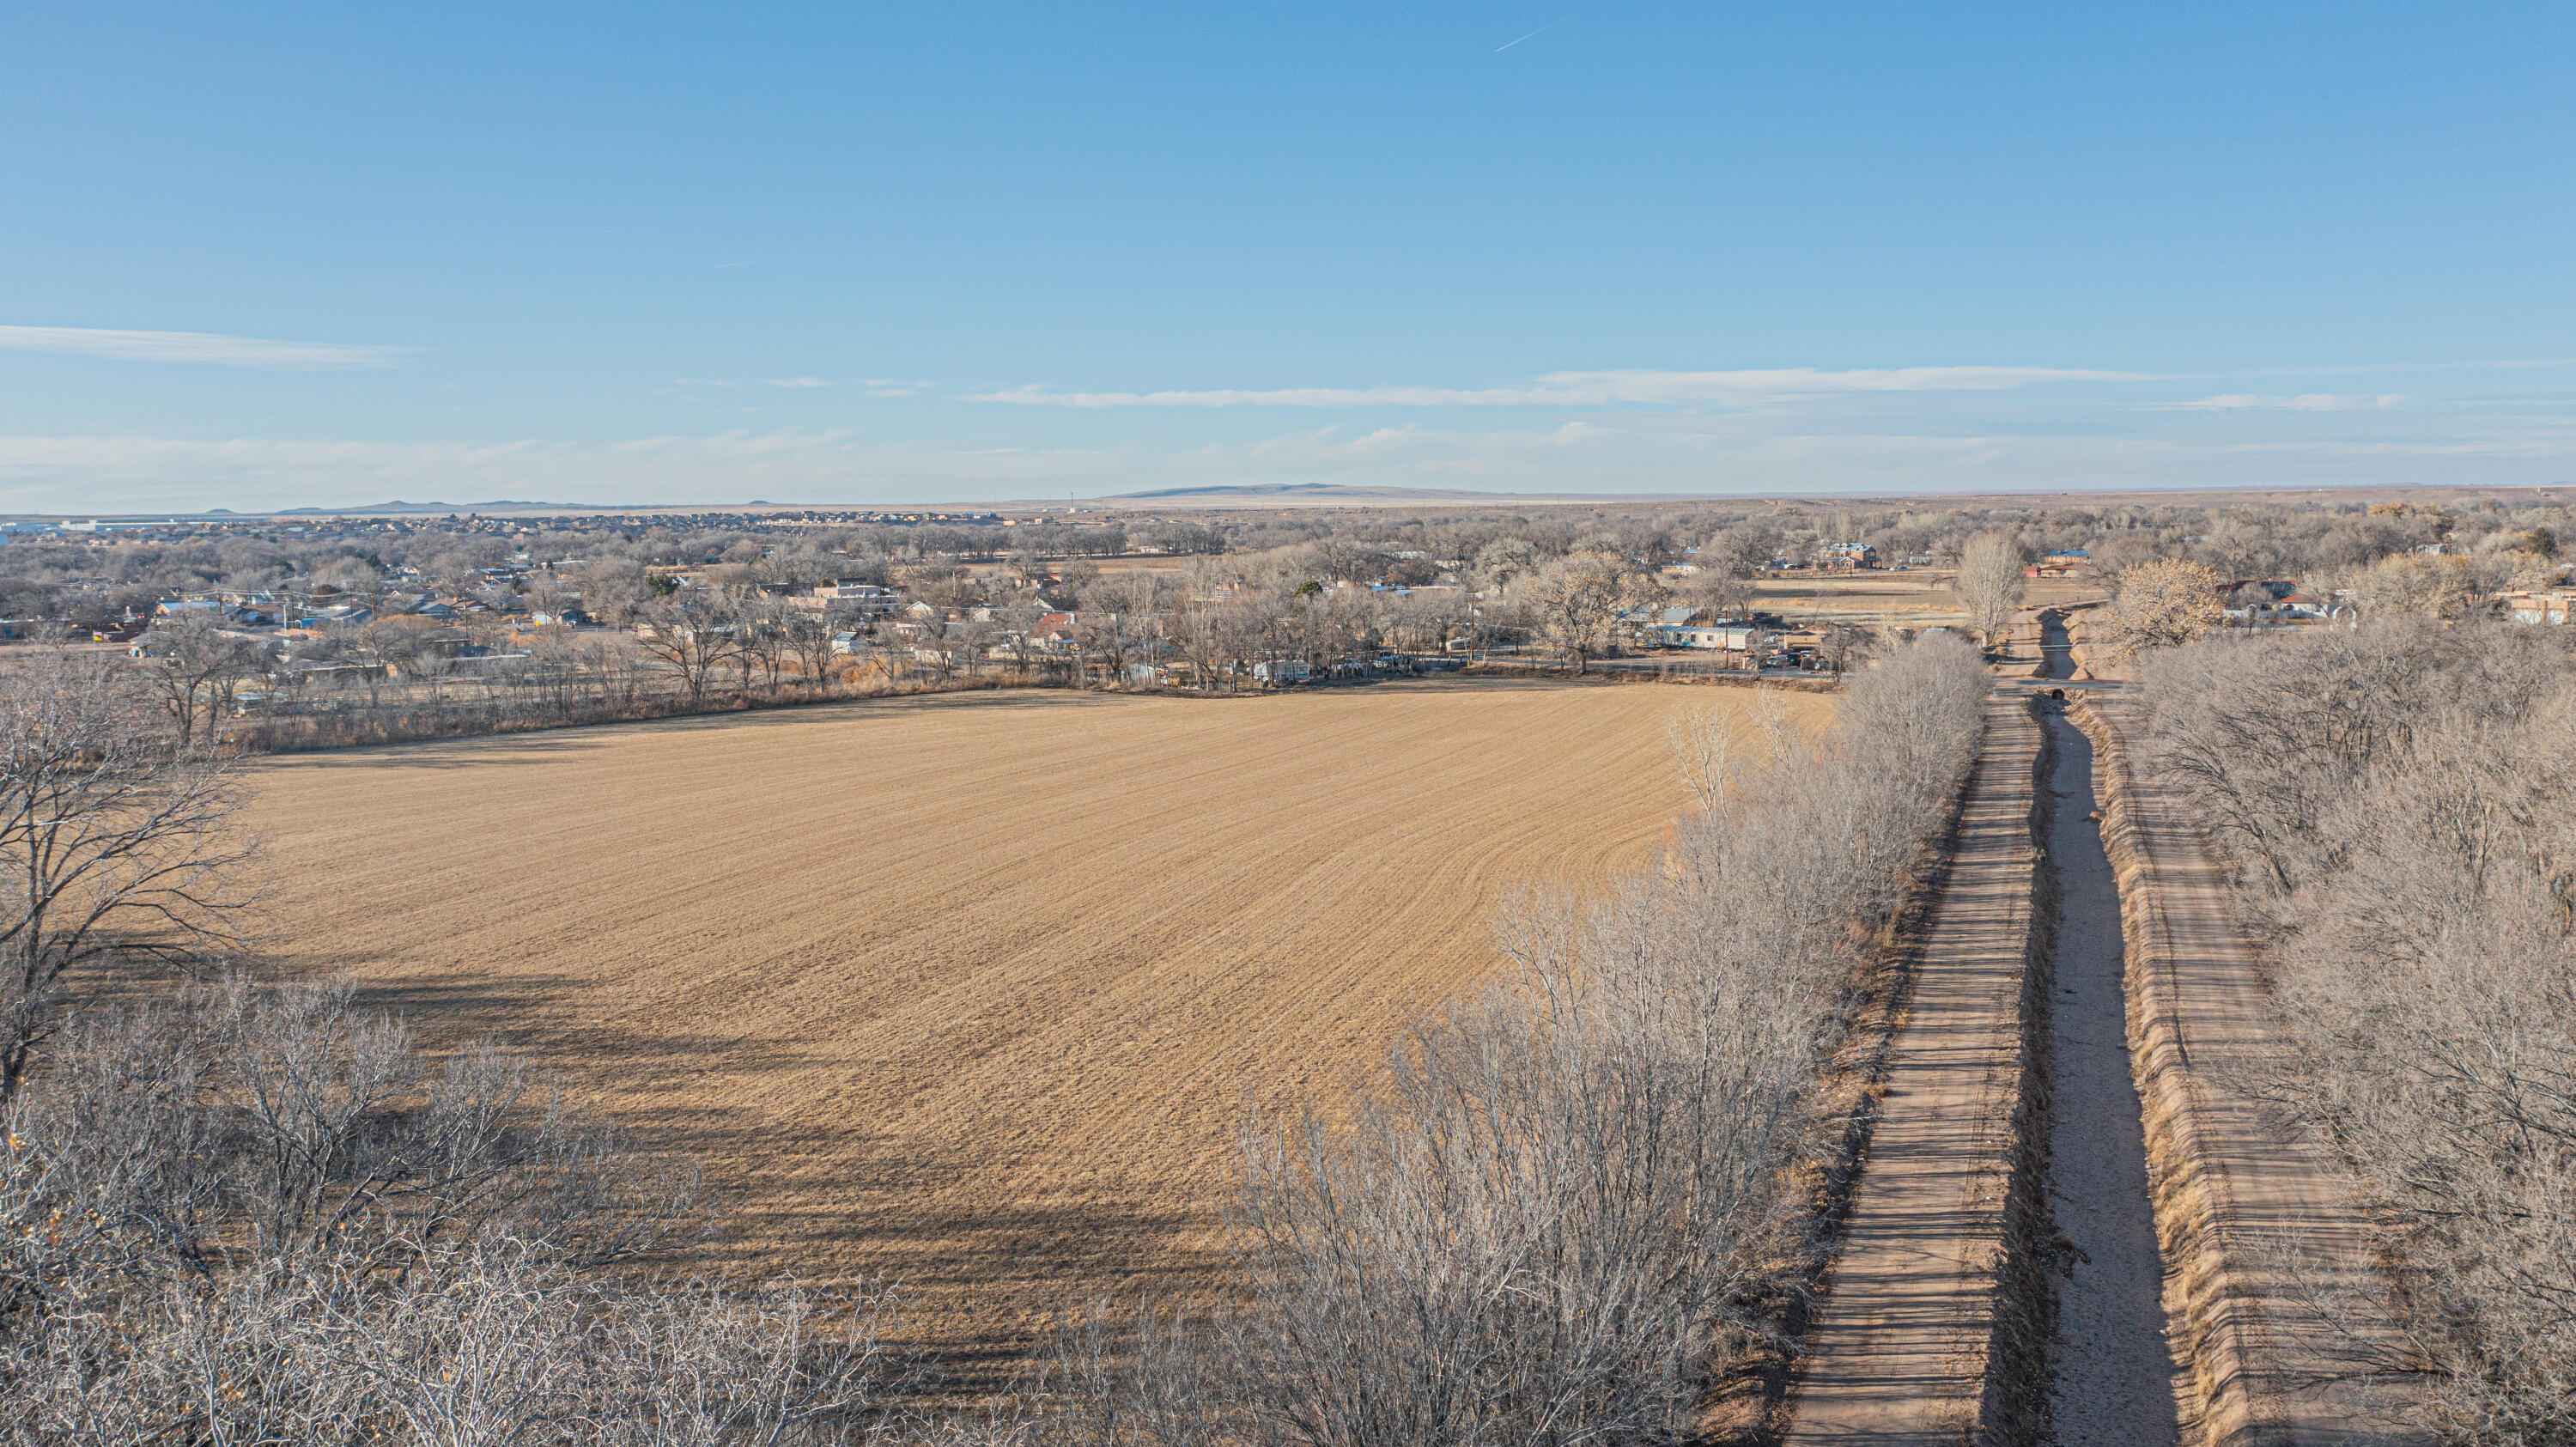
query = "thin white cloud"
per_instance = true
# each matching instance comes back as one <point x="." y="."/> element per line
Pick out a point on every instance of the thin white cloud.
<point x="891" y="386"/>
<point x="794" y="382"/>
<point x="1966" y="448"/>
<point x="2304" y="402"/>
<point x="212" y="348"/>
<point x="1591" y="389"/>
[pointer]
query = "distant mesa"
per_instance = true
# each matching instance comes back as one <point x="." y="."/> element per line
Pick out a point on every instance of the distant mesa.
<point x="1307" y="489"/>
<point x="399" y="506"/>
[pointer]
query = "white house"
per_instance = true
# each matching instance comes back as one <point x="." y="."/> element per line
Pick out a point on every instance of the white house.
<point x="1725" y="634"/>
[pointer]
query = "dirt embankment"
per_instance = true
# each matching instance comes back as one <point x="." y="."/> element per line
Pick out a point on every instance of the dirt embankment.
<point x="1755" y="1405"/>
<point x="1936" y="1323"/>
<point x="2278" y="1320"/>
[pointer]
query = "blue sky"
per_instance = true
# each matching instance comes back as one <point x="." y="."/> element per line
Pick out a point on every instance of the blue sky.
<point x="270" y="255"/>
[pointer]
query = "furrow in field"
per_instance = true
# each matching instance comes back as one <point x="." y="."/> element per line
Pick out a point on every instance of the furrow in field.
<point x="967" y="989"/>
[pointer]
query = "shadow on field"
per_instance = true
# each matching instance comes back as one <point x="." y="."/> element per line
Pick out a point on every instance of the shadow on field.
<point x="479" y="1004"/>
<point x="987" y="1244"/>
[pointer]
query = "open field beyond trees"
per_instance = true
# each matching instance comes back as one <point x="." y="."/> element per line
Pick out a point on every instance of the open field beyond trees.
<point x="969" y="990"/>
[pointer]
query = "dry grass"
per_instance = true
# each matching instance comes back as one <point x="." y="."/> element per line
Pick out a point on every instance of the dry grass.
<point x="967" y="989"/>
<point x="1916" y="598"/>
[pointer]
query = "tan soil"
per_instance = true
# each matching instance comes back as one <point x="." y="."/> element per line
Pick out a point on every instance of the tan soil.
<point x="966" y="989"/>
<point x="1907" y="1340"/>
<point x="1915" y="598"/>
<point x="2280" y="1320"/>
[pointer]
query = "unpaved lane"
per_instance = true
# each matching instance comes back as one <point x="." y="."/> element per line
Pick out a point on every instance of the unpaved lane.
<point x="2281" y="1318"/>
<point x="2115" y="1373"/>
<point x="1899" y="1347"/>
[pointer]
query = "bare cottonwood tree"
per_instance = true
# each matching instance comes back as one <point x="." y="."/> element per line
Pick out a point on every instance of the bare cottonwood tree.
<point x="764" y="637"/>
<point x="1990" y="584"/>
<point x="2162" y="604"/>
<point x="181" y="1258"/>
<point x="807" y="633"/>
<point x="1576" y="601"/>
<point x="195" y="666"/>
<point x="1708" y="746"/>
<point x="117" y="842"/>
<point x="1841" y="645"/>
<point x="2449" y="588"/>
<point x="691" y="636"/>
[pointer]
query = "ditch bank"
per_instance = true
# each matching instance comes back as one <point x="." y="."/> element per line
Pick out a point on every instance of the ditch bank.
<point x="1752" y="1403"/>
<point x="1938" y="1317"/>
<point x="2277" y="1320"/>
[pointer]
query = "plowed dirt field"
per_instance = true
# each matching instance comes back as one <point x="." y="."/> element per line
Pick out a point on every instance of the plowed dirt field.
<point x="969" y="989"/>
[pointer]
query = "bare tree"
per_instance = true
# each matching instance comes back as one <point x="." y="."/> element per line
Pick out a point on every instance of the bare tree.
<point x="690" y="637"/>
<point x="383" y="645"/>
<point x="764" y="637"/>
<point x="807" y="636"/>
<point x="612" y="590"/>
<point x="1708" y="746"/>
<point x="2449" y="588"/>
<point x="195" y="666"/>
<point x="1841" y="645"/>
<point x="2162" y="604"/>
<point x="1577" y="601"/>
<point x="116" y="843"/>
<point x="1990" y="584"/>
<point x="247" y="1216"/>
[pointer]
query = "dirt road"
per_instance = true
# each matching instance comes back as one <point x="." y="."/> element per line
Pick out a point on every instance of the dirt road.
<point x="1900" y="1347"/>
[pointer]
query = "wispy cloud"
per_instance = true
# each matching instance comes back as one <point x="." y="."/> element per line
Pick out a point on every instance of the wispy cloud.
<point x="1542" y="30"/>
<point x="2304" y="402"/>
<point x="794" y="382"/>
<point x="1591" y="389"/>
<point x="891" y="386"/>
<point x="213" y="348"/>
<point x="1971" y="443"/>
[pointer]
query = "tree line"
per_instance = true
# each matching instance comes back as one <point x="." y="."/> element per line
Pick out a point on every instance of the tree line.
<point x="234" y="1212"/>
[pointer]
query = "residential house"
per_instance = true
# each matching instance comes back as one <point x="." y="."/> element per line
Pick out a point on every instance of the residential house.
<point x="2252" y="601"/>
<point x="1726" y="635"/>
<point x="2555" y="607"/>
<point x="865" y="599"/>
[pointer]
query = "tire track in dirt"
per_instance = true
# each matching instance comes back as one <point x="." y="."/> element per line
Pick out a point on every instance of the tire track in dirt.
<point x="1910" y="1339"/>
